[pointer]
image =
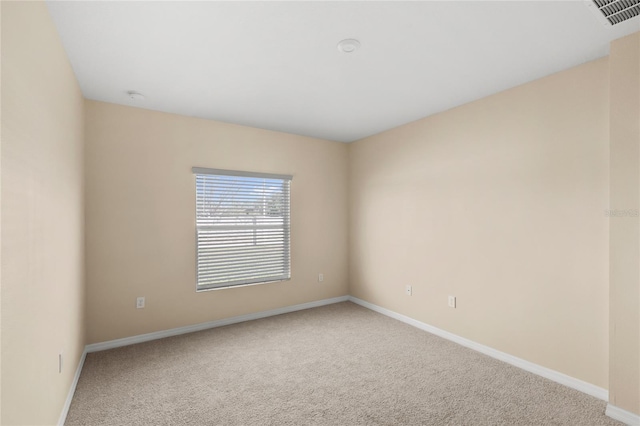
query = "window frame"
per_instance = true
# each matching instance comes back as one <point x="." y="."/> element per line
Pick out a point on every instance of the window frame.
<point x="286" y="227"/>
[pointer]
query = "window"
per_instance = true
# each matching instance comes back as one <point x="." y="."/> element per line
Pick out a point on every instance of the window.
<point x="242" y="227"/>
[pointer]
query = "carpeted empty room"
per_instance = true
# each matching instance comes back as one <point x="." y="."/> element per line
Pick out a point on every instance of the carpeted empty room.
<point x="339" y="364"/>
<point x="341" y="213"/>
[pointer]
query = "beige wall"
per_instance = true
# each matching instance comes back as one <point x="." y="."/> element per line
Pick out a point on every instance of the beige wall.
<point x="501" y="203"/>
<point x="0" y="214"/>
<point x="42" y="217"/>
<point x="140" y="212"/>
<point x="624" y="62"/>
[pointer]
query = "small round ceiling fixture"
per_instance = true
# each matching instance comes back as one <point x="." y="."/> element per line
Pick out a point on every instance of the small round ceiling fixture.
<point x="135" y="96"/>
<point x="349" y="45"/>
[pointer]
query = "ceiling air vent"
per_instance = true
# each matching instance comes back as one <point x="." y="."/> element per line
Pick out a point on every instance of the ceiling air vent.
<point x="615" y="11"/>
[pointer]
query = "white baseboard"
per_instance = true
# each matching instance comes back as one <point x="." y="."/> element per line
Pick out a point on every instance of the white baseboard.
<point x="624" y="416"/>
<point x="588" y="388"/>
<point x="72" y="390"/>
<point x="547" y="373"/>
<point x="95" y="347"/>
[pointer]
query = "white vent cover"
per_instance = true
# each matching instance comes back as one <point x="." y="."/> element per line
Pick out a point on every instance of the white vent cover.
<point x="615" y="11"/>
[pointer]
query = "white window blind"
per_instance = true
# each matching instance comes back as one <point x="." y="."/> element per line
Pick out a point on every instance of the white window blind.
<point x="243" y="227"/>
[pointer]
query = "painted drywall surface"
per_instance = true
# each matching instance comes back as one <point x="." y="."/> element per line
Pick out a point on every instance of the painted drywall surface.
<point x="501" y="203"/>
<point x="0" y="213"/>
<point x="42" y="217"/>
<point x="624" y="371"/>
<point x="140" y="213"/>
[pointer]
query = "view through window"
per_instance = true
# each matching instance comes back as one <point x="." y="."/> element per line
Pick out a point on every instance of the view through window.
<point x="242" y="227"/>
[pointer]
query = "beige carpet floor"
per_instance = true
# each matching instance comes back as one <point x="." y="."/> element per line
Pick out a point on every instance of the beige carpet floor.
<point x="335" y="365"/>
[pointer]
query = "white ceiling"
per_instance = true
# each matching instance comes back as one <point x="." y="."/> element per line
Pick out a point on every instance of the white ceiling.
<point x="275" y="65"/>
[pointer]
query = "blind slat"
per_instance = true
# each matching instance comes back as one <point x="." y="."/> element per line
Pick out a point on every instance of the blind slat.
<point x="243" y="228"/>
<point x="213" y="284"/>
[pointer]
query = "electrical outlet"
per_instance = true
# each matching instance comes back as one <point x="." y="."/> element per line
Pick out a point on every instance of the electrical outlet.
<point x="140" y="302"/>
<point x="452" y="302"/>
<point x="60" y="361"/>
<point x="320" y="278"/>
<point x="407" y="290"/>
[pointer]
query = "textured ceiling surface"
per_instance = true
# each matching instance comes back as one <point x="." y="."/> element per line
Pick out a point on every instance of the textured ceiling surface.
<point x="275" y="65"/>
